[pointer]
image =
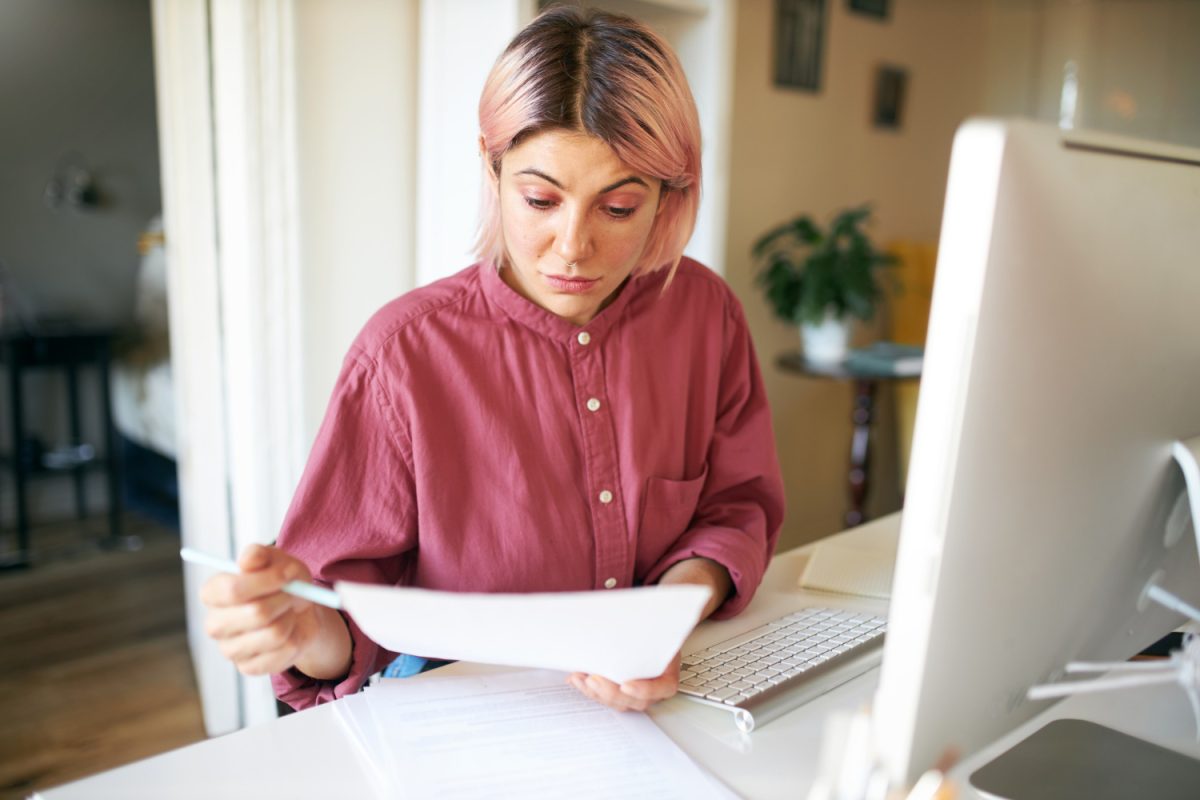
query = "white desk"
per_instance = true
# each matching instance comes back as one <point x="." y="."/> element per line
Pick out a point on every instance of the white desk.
<point x="309" y="754"/>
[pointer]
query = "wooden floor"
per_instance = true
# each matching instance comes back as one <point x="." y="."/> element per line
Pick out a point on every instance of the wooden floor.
<point x="94" y="663"/>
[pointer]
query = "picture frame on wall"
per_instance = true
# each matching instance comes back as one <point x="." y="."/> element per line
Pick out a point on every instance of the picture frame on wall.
<point x="891" y="86"/>
<point x="799" y="43"/>
<point x="869" y="8"/>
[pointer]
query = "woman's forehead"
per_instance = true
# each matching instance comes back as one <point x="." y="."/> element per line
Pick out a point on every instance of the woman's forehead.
<point x="571" y="160"/>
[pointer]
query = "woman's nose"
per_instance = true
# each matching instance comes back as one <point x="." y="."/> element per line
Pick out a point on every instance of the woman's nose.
<point x="573" y="240"/>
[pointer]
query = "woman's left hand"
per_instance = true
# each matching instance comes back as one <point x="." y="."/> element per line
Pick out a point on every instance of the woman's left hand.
<point x="641" y="694"/>
<point x="635" y="695"/>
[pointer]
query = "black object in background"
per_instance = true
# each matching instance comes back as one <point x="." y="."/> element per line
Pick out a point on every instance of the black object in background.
<point x="1162" y="649"/>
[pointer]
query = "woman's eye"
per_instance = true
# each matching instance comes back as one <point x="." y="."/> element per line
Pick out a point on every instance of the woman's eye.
<point x="539" y="203"/>
<point x="620" y="212"/>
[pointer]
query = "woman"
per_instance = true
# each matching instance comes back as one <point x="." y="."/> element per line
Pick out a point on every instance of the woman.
<point x="582" y="409"/>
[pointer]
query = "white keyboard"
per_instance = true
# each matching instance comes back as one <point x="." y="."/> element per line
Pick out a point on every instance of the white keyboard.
<point x="779" y="666"/>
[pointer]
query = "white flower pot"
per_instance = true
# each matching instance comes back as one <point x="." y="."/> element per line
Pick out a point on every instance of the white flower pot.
<point x="827" y="341"/>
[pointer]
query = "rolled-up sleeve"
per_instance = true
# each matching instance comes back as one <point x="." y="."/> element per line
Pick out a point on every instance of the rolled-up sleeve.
<point x="353" y="514"/>
<point x="740" y="509"/>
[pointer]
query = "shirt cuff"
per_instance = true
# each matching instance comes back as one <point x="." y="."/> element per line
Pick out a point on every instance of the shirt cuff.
<point x="300" y="691"/>
<point x="733" y="549"/>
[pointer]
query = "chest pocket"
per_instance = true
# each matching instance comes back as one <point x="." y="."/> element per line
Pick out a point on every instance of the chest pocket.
<point x="667" y="509"/>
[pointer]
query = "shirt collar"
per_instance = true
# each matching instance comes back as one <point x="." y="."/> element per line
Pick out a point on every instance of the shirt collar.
<point x="538" y="319"/>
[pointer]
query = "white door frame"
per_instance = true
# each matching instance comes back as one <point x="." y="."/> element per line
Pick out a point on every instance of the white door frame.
<point x="227" y="133"/>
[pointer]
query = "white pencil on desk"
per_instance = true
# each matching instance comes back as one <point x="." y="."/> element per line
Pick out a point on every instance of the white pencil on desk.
<point x="317" y="594"/>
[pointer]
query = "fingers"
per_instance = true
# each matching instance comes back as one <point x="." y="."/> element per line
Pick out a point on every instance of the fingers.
<point x="636" y="695"/>
<point x="255" y="557"/>
<point x="607" y="693"/>
<point x="630" y="696"/>
<point x="265" y="570"/>
<point x="255" y="625"/>
<point x="271" y="649"/>
<point x="229" y="621"/>
<point x="653" y="689"/>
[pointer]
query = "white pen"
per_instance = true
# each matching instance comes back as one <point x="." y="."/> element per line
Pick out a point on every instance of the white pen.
<point x="317" y="594"/>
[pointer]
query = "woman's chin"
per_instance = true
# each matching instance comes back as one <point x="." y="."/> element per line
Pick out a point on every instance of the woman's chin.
<point x="572" y="309"/>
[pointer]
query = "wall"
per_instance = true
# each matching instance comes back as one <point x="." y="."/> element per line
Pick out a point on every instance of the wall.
<point x="794" y="152"/>
<point x="76" y="83"/>
<point x="356" y="98"/>
<point x="1135" y="63"/>
<point x="76" y="77"/>
<point x="1141" y="69"/>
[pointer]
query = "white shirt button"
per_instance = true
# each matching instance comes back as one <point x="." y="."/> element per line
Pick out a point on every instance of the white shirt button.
<point x="584" y="337"/>
<point x="610" y="583"/>
<point x="593" y="404"/>
<point x="606" y="497"/>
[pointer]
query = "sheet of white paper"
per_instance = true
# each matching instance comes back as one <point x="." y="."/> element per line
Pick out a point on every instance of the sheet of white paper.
<point x="524" y="734"/>
<point x="620" y="634"/>
<point x="355" y="714"/>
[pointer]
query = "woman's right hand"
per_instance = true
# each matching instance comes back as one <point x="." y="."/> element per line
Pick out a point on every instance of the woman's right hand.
<point x="262" y="630"/>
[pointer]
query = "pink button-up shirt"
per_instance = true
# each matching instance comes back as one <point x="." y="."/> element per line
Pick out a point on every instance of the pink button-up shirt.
<point x="477" y="442"/>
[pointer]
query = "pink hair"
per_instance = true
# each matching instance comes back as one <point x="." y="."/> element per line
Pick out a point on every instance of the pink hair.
<point x="609" y="76"/>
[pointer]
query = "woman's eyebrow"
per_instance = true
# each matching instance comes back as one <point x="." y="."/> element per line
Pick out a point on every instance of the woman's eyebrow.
<point x="622" y="182"/>
<point x="605" y="190"/>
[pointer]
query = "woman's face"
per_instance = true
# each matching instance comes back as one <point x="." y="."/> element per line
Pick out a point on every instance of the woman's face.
<point x="575" y="221"/>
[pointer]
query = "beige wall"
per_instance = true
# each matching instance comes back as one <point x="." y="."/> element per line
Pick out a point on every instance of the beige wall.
<point x="356" y="97"/>
<point x="803" y="152"/>
<point x="1136" y="63"/>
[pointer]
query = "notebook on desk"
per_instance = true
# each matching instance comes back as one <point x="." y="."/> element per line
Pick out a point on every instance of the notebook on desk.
<point x="862" y="569"/>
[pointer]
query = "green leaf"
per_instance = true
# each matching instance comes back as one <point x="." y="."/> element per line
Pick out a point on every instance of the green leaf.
<point x="805" y="271"/>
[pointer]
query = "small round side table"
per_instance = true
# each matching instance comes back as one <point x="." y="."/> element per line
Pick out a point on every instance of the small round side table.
<point x="866" y="382"/>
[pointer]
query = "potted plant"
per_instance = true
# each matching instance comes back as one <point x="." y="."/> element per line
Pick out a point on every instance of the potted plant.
<point x="819" y="279"/>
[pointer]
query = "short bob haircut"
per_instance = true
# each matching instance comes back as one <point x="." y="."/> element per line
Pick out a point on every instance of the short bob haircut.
<point x="608" y="76"/>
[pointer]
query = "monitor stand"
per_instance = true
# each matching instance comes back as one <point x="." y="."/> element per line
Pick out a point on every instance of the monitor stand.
<point x="1070" y="759"/>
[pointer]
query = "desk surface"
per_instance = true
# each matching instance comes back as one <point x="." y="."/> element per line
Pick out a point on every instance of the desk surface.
<point x="309" y="754"/>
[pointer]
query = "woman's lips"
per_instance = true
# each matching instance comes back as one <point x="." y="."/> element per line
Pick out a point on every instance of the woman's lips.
<point x="561" y="283"/>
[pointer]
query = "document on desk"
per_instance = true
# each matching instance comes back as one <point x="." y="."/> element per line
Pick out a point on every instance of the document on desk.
<point x="518" y="734"/>
<point x="620" y="634"/>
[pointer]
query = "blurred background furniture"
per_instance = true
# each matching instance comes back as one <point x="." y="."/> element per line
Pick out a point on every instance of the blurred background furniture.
<point x="866" y="380"/>
<point x="70" y="349"/>
<point x="143" y="392"/>
<point x="909" y="296"/>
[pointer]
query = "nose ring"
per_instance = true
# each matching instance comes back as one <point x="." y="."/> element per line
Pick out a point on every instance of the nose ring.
<point x="572" y="263"/>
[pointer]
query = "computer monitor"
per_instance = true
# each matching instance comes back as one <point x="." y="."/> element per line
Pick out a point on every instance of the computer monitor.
<point x="1062" y="361"/>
